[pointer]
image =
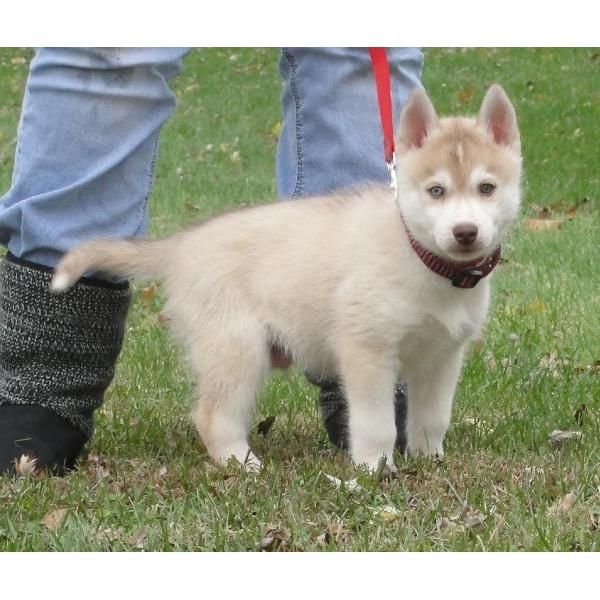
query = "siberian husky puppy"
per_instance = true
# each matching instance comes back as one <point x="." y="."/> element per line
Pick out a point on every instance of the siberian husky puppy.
<point x="355" y="284"/>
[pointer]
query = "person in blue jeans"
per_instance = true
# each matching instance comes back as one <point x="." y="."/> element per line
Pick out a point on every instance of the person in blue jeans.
<point x="83" y="168"/>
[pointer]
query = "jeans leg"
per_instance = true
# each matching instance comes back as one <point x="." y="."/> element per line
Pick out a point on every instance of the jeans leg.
<point x="331" y="134"/>
<point x="86" y="147"/>
<point x="331" y="138"/>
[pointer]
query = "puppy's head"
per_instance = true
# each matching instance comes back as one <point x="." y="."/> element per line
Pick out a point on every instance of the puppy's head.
<point x="459" y="178"/>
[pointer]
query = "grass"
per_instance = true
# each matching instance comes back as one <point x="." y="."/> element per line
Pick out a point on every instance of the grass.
<point x="147" y="483"/>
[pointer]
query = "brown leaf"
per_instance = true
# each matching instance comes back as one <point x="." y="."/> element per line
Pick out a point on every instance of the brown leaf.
<point x="542" y="224"/>
<point x="26" y="466"/>
<point x="563" y="505"/>
<point x="473" y="518"/>
<point x="275" y="538"/>
<point x="54" y="519"/>
<point x="148" y="293"/>
<point x="265" y="426"/>
<point x="559" y="438"/>
<point x="542" y="212"/>
<point x="448" y="524"/>
<point x="465" y="95"/>
<point x="97" y="467"/>
<point x="136" y="540"/>
<point x="594" y="368"/>
<point x="324" y="539"/>
<point x="163" y="320"/>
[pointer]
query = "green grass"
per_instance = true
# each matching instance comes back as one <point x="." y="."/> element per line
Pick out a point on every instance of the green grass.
<point x="148" y="482"/>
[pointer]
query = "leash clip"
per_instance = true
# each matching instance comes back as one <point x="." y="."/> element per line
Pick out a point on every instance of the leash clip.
<point x="391" y="165"/>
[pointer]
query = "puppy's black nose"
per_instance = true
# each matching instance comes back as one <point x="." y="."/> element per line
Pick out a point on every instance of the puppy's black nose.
<point x="465" y="233"/>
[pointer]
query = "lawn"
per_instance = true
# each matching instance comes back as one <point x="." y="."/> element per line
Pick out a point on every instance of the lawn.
<point x="147" y="482"/>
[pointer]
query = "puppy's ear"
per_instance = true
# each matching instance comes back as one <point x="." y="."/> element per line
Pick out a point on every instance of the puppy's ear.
<point x="497" y="116"/>
<point x="417" y="121"/>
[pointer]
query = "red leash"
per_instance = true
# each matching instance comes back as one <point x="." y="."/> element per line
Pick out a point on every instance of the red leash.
<point x="381" y="71"/>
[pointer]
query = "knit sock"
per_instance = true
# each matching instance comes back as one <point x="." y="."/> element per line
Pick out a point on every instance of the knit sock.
<point x="334" y="412"/>
<point x="57" y="357"/>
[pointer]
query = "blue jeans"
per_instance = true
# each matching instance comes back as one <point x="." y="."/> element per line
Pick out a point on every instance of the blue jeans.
<point x="91" y="119"/>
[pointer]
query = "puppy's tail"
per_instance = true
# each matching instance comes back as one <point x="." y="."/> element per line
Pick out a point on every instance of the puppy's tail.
<point x="117" y="257"/>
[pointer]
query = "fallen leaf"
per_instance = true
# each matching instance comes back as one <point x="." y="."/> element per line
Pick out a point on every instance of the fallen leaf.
<point x="541" y="212"/>
<point x="563" y="505"/>
<point x="448" y="524"/>
<point x="26" y="466"/>
<point x="465" y="95"/>
<point x="97" y="466"/>
<point x="275" y="538"/>
<point x="54" y="519"/>
<point x="531" y="474"/>
<point x="148" y="293"/>
<point x="559" y="438"/>
<point x="265" y="426"/>
<point x="324" y="539"/>
<point x="594" y="368"/>
<point x="389" y="513"/>
<point x="542" y="224"/>
<point x="136" y="540"/>
<point x="352" y="484"/>
<point x="473" y="518"/>
<point x="163" y="320"/>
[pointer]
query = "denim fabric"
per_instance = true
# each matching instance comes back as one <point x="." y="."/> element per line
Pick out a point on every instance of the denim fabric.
<point x="86" y="147"/>
<point x="331" y="135"/>
<point x="91" y="119"/>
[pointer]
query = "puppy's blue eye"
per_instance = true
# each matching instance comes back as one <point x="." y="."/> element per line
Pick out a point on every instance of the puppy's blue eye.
<point x="487" y="189"/>
<point x="436" y="191"/>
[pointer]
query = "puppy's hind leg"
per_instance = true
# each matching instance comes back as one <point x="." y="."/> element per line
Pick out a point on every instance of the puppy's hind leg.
<point x="231" y="372"/>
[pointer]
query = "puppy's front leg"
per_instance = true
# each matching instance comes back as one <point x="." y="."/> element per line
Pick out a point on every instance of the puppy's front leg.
<point x="431" y="390"/>
<point x="369" y="381"/>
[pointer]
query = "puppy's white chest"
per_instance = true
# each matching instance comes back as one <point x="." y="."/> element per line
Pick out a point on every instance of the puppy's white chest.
<point x="456" y="322"/>
<point x="440" y="325"/>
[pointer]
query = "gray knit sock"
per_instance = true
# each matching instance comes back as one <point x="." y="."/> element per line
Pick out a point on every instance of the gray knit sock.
<point x="58" y="351"/>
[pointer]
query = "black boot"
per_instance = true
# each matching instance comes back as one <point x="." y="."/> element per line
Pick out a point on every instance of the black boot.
<point x="57" y="357"/>
<point x="334" y="412"/>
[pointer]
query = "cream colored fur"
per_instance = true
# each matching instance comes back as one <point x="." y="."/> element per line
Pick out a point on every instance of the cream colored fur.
<point x="334" y="283"/>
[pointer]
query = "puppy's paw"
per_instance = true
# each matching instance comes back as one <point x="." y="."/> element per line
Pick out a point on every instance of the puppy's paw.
<point x="380" y="465"/>
<point x="425" y="445"/>
<point x="242" y="456"/>
<point x="251" y="464"/>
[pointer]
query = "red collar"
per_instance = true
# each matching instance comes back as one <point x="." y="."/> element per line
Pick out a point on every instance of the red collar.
<point x="462" y="275"/>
